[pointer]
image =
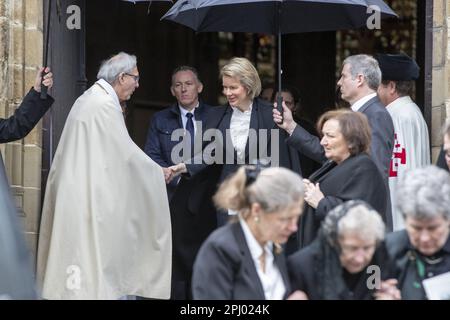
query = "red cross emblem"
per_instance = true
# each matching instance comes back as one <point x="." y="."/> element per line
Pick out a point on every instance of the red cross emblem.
<point x="398" y="157"/>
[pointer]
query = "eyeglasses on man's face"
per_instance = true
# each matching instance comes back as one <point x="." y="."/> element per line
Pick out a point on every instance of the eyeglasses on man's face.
<point x="135" y="77"/>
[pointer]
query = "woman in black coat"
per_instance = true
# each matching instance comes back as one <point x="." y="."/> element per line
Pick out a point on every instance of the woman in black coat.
<point x="347" y="261"/>
<point x="349" y="173"/>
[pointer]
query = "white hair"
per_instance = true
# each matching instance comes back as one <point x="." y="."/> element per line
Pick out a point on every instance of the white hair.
<point x="110" y="69"/>
<point x="424" y="193"/>
<point x="367" y="66"/>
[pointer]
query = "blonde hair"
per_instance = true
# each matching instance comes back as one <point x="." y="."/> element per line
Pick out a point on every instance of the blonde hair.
<point x="274" y="189"/>
<point x="243" y="70"/>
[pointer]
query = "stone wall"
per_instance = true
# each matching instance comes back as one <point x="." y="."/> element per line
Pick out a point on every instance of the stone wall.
<point x="441" y="72"/>
<point x="21" y="53"/>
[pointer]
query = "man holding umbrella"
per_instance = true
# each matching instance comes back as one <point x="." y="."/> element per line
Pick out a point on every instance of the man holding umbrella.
<point x="360" y="79"/>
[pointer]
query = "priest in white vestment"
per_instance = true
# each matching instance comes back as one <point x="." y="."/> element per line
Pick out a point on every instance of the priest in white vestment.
<point x="411" y="145"/>
<point x="105" y="229"/>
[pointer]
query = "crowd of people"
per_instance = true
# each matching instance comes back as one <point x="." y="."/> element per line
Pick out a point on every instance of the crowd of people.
<point x="243" y="201"/>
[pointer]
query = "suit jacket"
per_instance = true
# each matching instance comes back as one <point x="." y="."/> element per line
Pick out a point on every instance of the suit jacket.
<point x="26" y="116"/>
<point x="159" y="144"/>
<point x="356" y="178"/>
<point x="224" y="268"/>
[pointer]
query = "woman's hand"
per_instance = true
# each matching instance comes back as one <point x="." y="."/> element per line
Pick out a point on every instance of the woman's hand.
<point x="388" y="291"/>
<point x="313" y="195"/>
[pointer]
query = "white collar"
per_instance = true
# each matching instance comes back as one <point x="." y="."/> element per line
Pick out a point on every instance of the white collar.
<point x="110" y="90"/>
<point x="358" y="104"/>
<point x="238" y="111"/>
<point x="399" y="101"/>
<point x="253" y="245"/>
<point x="184" y="112"/>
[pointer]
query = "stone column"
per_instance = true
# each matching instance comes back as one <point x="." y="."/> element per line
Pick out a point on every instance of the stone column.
<point x="21" y="52"/>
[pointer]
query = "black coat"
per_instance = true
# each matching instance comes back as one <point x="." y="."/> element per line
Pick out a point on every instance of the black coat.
<point x="16" y="276"/>
<point x="26" y="116"/>
<point x="310" y="271"/>
<point x="225" y="270"/>
<point x="356" y="178"/>
<point x="405" y="257"/>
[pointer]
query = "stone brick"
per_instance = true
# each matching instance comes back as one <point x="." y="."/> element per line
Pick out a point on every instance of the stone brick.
<point x="32" y="167"/>
<point x="17" y="11"/>
<point x="16" y="86"/>
<point x="33" y="14"/>
<point x="33" y="48"/>
<point x="31" y="207"/>
<point x="435" y="154"/>
<point x="439" y="46"/>
<point x="17" y="45"/>
<point x="439" y="12"/>
<point x="13" y="163"/>
<point x="4" y="39"/>
<point x="34" y="138"/>
<point x="437" y="119"/>
<point x="439" y="87"/>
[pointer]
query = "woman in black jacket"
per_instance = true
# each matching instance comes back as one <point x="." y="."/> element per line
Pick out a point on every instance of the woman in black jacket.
<point x="349" y="173"/>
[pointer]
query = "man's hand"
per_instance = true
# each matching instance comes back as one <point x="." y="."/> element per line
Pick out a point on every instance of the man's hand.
<point x="285" y="121"/>
<point x="388" y="291"/>
<point x="174" y="171"/>
<point x="48" y="79"/>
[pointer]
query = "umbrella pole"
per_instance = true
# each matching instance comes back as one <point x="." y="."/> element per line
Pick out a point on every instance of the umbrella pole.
<point x="47" y="36"/>
<point x="279" y="97"/>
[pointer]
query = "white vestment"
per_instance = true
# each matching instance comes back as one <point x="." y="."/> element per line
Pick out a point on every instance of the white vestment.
<point x="411" y="147"/>
<point x="105" y="229"/>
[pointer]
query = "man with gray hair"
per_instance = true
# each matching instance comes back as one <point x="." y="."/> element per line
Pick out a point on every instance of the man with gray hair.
<point x="105" y="229"/>
<point x="360" y="78"/>
<point x="422" y="251"/>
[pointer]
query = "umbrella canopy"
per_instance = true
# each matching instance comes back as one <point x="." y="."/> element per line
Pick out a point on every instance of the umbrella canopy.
<point x="275" y="16"/>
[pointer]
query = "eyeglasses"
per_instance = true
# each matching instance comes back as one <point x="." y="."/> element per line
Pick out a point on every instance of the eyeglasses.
<point x="135" y="77"/>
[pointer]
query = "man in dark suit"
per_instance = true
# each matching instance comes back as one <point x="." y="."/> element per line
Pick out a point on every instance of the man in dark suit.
<point x="189" y="204"/>
<point x="186" y="115"/>
<point x="16" y="276"/>
<point x="360" y="78"/>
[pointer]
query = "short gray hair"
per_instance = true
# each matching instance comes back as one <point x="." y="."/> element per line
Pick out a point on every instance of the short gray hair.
<point x="110" y="69"/>
<point x="367" y="66"/>
<point x="243" y="70"/>
<point x="424" y="193"/>
<point x="354" y="216"/>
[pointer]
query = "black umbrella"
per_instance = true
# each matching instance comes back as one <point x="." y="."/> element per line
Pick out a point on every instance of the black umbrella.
<point x="275" y="16"/>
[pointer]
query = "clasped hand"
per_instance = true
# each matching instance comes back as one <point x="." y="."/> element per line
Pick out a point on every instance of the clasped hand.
<point x="174" y="171"/>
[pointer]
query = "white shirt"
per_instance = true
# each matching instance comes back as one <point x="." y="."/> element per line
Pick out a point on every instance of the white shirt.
<point x="358" y="104"/>
<point x="271" y="280"/>
<point x="184" y="119"/>
<point x="105" y="85"/>
<point x="239" y="129"/>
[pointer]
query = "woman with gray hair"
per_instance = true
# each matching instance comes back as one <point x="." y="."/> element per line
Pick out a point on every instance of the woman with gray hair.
<point x="244" y="260"/>
<point x="348" y="259"/>
<point x="422" y="251"/>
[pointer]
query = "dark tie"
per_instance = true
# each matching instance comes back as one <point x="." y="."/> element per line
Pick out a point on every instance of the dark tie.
<point x="190" y="129"/>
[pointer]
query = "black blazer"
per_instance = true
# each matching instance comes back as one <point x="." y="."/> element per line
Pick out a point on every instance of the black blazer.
<point x="224" y="268"/>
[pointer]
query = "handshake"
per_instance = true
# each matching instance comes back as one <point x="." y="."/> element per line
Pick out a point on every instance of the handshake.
<point x="174" y="171"/>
